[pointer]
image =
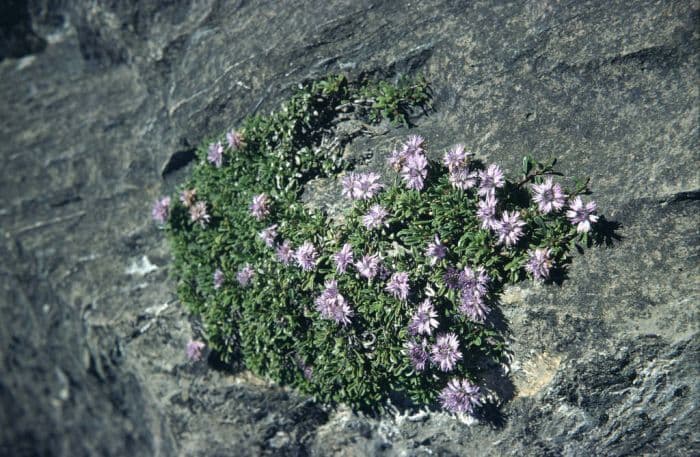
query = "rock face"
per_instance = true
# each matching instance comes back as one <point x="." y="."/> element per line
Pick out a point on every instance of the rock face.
<point x="104" y="101"/>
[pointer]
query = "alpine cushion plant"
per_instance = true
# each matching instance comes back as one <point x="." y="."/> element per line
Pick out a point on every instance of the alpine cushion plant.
<point x="395" y="296"/>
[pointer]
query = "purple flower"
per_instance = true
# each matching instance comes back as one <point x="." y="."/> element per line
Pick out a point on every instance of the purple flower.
<point x="461" y="396"/>
<point x="343" y="258"/>
<point x="198" y="213"/>
<point x="368" y="265"/>
<point x="510" y="228"/>
<point x="194" y="350"/>
<point x="582" y="215"/>
<point x="361" y="186"/>
<point x="332" y="305"/>
<point x="487" y="212"/>
<point x="245" y="275"/>
<point x="472" y="305"/>
<point x="539" y="263"/>
<point x="491" y="178"/>
<point x="462" y="178"/>
<point x="418" y="353"/>
<point x="398" y="285"/>
<point x="268" y="235"/>
<point x="188" y="196"/>
<point x="396" y="159"/>
<point x="435" y="250"/>
<point x="260" y="206"/>
<point x="424" y="319"/>
<point x="284" y="253"/>
<point x="216" y="154"/>
<point x="414" y="144"/>
<point x="306" y="255"/>
<point x="374" y="217"/>
<point x="367" y="185"/>
<point x="234" y="139"/>
<point x="549" y="196"/>
<point x="476" y="281"/>
<point x="456" y="158"/>
<point x="161" y="210"/>
<point x="218" y="278"/>
<point x="414" y="170"/>
<point x="445" y="352"/>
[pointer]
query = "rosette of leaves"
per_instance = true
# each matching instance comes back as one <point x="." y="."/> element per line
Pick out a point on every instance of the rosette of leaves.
<point x="272" y="321"/>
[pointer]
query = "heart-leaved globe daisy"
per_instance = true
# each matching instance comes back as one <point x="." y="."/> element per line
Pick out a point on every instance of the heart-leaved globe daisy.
<point x="368" y="265"/>
<point x="245" y="275"/>
<point x="398" y="285"/>
<point x="582" y="215"/>
<point x="343" y="258"/>
<point x="306" y="256"/>
<point x="445" y="352"/>
<point x="332" y="305"/>
<point x="161" y="210"/>
<point x="418" y="353"/>
<point x="435" y="250"/>
<point x="216" y="154"/>
<point x="491" y="179"/>
<point x="549" y="196"/>
<point x="284" y="253"/>
<point x="510" y="228"/>
<point x="199" y="214"/>
<point x="539" y="263"/>
<point x="461" y="396"/>
<point x="260" y="206"/>
<point x="424" y="319"/>
<point x="374" y="217"/>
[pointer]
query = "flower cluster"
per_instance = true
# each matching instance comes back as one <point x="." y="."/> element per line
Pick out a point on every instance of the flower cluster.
<point x="424" y="277"/>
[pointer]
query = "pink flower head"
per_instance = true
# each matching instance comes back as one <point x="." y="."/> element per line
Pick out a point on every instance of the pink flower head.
<point x="549" y="196"/>
<point x="487" y="212"/>
<point x="491" y="178"/>
<point x="195" y="350"/>
<point x="332" y="305"/>
<point x="456" y="158"/>
<point x="234" y="139"/>
<point x="539" y="263"/>
<point x="472" y="305"/>
<point x="161" y="210"/>
<point x="398" y="285"/>
<point x="414" y="144"/>
<point x="368" y="185"/>
<point x="268" y="235"/>
<point x="582" y="214"/>
<point x="187" y="197"/>
<point x="462" y="178"/>
<point x="474" y="280"/>
<point x="374" y="217"/>
<point x="510" y="228"/>
<point x="424" y="320"/>
<point x="199" y="214"/>
<point x="284" y="253"/>
<point x="362" y="186"/>
<point x="343" y="258"/>
<point x="216" y="154"/>
<point x="306" y="255"/>
<point x="414" y="170"/>
<point x="418" y="353"/>
<point x="445" y="352"/>
<point x="368" y="266"/>
<point x="245" y="275"/>
<point x="461" y="396"/>
<point x="396" y="159"/>
<point x="436" y="250"/>
<point x="218" y="278"/>
<point x="260" y="206"/>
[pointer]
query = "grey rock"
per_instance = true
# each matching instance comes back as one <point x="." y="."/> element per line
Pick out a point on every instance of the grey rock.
<point x="103" y="103"/>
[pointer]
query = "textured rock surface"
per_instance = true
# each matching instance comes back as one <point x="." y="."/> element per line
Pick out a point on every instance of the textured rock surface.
<point x="99" y="97"/>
